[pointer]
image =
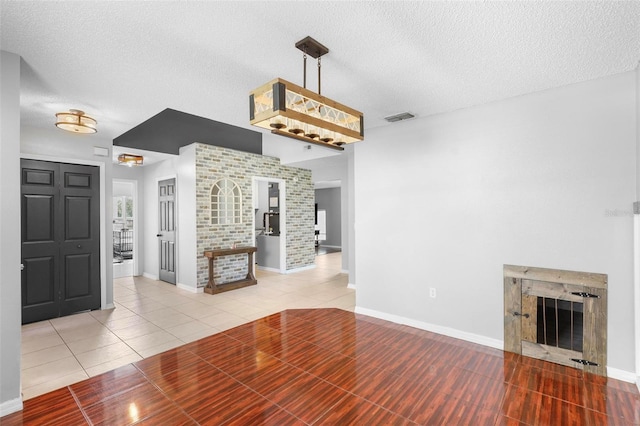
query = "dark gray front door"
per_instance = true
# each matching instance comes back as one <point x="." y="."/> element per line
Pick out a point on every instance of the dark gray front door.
<point x="167" y="229"/>
<point x="60" y="239"/>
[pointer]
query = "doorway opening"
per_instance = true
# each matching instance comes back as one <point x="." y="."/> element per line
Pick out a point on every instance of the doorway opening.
<point x="269" y="223"/>
<point x="329" y="218"/>
<point x="321" y="235"/>
<point x="321" y="227"/>
<point x="125" y="229"/>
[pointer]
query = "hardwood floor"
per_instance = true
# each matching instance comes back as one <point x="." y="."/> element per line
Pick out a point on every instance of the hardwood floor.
<point x="333" y="367"/>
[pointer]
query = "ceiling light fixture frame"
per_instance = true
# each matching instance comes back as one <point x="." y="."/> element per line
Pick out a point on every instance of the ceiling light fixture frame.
<point x="287" y="109"/>
<point x="76" y="121"/>
<point x="130" y="160"/>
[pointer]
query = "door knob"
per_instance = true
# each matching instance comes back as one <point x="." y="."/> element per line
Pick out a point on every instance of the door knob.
<point x="79" y="246"/>
<point x="158" y="235"/>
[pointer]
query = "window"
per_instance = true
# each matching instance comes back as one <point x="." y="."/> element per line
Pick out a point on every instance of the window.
<point x="122" y="212"/>
<point x="226" y="203"/>
<point x="123" y="207"/>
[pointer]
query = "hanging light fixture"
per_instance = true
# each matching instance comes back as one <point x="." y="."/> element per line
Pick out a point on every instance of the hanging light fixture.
<point x="296" y="112"/>
<point x="130" y="160"/>
<point x="75" y="121"/>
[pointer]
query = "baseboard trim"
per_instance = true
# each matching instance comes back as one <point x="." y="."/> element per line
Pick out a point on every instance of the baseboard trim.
<point x="344" y="271"/>
<point x="613" y="373"/>
<point x="10" y="406"/>
<point x="351" y="286"/>
<point x="150" y="276"/>
<point x="625" y="376"/>
<point x="189" y="288"/>
<point x="333" y="247"/>
<point x="301" y="269"/>
<point x="266" y="268"/>
<point x="446" y="331"/>
<point x="108" y="306"/>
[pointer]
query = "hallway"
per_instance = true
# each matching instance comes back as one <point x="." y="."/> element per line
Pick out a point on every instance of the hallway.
<point x="152" y="316"/>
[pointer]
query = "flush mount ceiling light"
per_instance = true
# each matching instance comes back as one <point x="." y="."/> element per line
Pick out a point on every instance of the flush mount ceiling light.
<point x="296" y="112"/>
<point x="75" y="121"/>
<point x="130" y="160"/>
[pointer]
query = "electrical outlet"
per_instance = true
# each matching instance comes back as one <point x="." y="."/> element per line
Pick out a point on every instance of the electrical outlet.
<point x="432" y="292"/>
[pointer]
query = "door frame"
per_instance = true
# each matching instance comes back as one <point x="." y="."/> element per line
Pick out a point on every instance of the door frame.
<point x="136" y="223"/>
<point x="157" y="224"/>
<point x="282" y="185"/>
<point x="636" y="268"/>
<point x="106" y="256"/>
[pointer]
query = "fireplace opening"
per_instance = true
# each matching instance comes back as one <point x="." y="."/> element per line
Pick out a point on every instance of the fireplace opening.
<point x="557" y="315"/>
<point x="559" y="323"/>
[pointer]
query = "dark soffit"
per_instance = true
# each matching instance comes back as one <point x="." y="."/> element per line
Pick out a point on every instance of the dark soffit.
<point x="169" y="130"/>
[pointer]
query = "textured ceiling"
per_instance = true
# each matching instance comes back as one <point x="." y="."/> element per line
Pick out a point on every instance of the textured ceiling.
<point x="123" y="62"/>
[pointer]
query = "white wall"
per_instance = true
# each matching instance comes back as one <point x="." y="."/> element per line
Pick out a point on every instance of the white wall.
<point x="187" y="244"/>
<point x="349" y="220"/>
<point x="10" y="290"/>
<point x="123" y="176"/>
<point x="637" y="225"/>
<point x="528" y="181"/>
<point x="638" y="133"/>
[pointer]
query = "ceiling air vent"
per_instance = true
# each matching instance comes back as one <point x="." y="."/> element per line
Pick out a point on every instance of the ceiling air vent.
<point x="399" y="117"/>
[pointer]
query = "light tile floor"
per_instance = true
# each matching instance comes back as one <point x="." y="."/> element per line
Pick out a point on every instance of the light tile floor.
<point x="152" y="316"/>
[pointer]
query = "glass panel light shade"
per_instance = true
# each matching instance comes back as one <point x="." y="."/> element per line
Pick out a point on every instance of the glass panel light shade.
<point x="130" y="159"/>
<point x="290" y="110"/>
<point x="76" y="121"/>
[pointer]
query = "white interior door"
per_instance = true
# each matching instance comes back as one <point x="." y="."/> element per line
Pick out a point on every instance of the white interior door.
<point x="167" y="229"/>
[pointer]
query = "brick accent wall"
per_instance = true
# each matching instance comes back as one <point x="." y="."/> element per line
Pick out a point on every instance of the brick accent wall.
<point x="214" y="163"/>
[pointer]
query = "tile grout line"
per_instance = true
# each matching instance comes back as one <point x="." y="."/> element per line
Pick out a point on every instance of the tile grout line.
<point x="68" y="348"/>
<point x="75" y="398"/>
<point x="153" y="383"/>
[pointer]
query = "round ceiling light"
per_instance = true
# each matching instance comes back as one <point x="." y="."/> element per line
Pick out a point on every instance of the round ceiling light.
<point x="76" y="122"/>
